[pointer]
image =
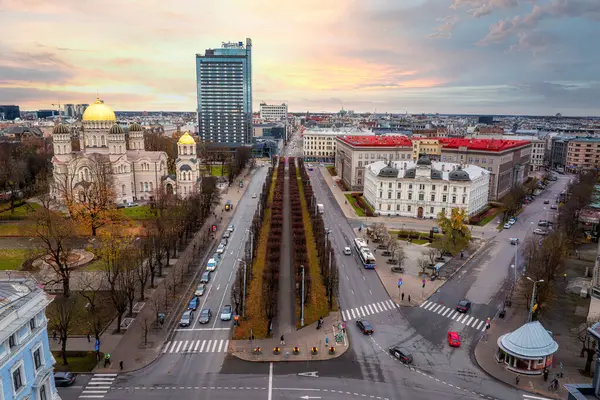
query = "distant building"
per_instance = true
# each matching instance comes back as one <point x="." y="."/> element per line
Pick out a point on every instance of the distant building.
<point x="273" y="131"/>
<point x="486" y="119"/>
<point x="429" y="147"/>
<point x="423" y="189"/>
<point x="69" y="110"/>
<point x="558" y="152"/>
<point x="9" y="113"/>
<point x="26" y="363"/>
<point x="224" y="95"/>
<point x="583" y="153"/>
<point x="41" y="114"/>
<point x="80" y="109"/>
<point x="273" y="112"/>
<point x="320" y="144"/>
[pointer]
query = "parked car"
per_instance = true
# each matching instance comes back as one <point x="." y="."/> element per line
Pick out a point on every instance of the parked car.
<point x="217" y="256"/>
<point x="205" y="277"/>
<point x="205" y="315"/>
<point x="463" y="306"/>
<point x="253" y="195"/>
<point x="514" y="241"/>
<point x="347" y="251"/>
<point x="224" y="241"/>
<point x="546" y="201"/>
<point x="221" y="248"/>
<point x="187" y="318"/>
<point x="230" y="228"/>
<point x="453" y="339"/>
<point x="226" y="313"/>
<point x="554" y="207"/>
<point x="226" y="235"/>
<point x="435" y="229"/>
<point x="401" y="354"/>
<point x="507" y="225"/>
<point x="132" y="204"/>
<point x="211" y="265"/>
<point x="200" y="289"/>
<point x="543" y="223"/>
<point x="365" y="326"/>
<point x="193" y="304"/>
<point x="64" y="378"/>
<point x="512" y="221"/>
<point x="539" y="231"/>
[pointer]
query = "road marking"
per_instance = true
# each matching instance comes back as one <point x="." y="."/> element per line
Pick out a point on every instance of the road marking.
<point x="456" y="314"/>
<point x="469" y="321"/>
<point x="442" y="309"/>
<point x="475" y="321"/>
<point x="390" y="304"/>
<point x="196" y="346"/>
<point x="535" y="397"/>
<point x="344" y="316"/>
<point x="226" y="345"/>
<point x="184" y="346"/>
<point x="436" y="308"/>
<point x="446" y="312"/>
<point x="429" y="306"/>
<point x="214" y="346"/>
<point x="94" y="391"/>
<point x="166" y="347"/>
<point x="372" y="309"/>
<point x="99" y="375"/>
<point x="364" y="310"/>
<point x="270" y="395"/>
<point x="358" y="312"/>
<point x="220" y="345"/>
<point x="353" y="315"/>
<point x="424" y="304"/>
<point x="178" y="347"/>
<point x="460" y="317"/>
<point x="479" y="326"/>
<point x="383" y="306"/>
<point x="376" y="307"/>
<point x="202" y="347"/>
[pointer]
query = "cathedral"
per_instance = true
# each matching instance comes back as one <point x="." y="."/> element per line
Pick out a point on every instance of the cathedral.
<point x="137" y="173"/>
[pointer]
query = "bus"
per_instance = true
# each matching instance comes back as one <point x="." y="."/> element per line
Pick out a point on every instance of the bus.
<point x="364" y="252"/>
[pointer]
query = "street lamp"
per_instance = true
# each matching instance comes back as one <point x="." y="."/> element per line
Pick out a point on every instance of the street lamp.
<point x="530" y="316"/>
<point x="244" y="295"/>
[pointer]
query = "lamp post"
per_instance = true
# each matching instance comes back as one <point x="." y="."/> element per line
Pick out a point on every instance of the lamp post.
<point x="244" y="295"/>
<point x="530" y="316"/>
<point x="302" y="304"/>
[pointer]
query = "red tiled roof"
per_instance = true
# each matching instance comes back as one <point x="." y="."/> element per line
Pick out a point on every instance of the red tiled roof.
<point x="482" y="144"/>
<point x="495" y="145"/>
<point x="377" y="141"/>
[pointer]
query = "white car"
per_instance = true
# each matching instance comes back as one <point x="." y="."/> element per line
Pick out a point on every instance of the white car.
<point x="514" y="241"/>
<point x="347" y="251"/>
<point x="221" y="249"/>
<point x="539" y="231"/>
<point x="512" y="221"/>
<point x="253" y="195"/>
<point x="507" y="225"/>
<point x="200" y="290"/>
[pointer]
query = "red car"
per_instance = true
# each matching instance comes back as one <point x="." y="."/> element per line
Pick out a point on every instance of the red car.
<point x="453" y="339"/>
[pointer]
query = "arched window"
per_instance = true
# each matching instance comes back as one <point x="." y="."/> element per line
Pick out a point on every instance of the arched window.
<point x="94" y="141"/>
<point x="185" y="150"/>
<point x="184" y="190"/>
<point x="120" y="149"/>
<point x="103" y="141"/>
<point x="141" y="186"/>
<point x="123" y="189"/>
<point x="145" y="186"/>
<point x="65" y="149"/>
<point x="150" y="186"/>
<point x="87" y="141"/>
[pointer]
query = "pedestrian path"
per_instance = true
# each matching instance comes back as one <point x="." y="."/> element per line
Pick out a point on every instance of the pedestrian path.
<point x="98" y="386"/>
<point x="370" y="309"/>
<point x="450" y="313"/>
<point x="196" y="346"/>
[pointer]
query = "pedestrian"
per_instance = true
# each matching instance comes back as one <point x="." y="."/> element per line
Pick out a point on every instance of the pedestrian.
<point x="545" y="374"/>
<point x="106" y="359"/>
<point x="326" y="340"/>
<point x="89" y="338"/>
<point x="565" y="277"/>
<point x="461" y="255"/>
<point x="517" y="379"/>
<point x="402" y="296"/>
<point x="121" y="365"/>
<point x="282" y="341"/>
<point x="54" y="335"/>
<point x="409" y="298"/>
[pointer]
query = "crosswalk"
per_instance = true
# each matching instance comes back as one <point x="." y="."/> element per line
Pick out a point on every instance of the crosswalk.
<point x="454" y="315"/>
<point x="370" y="309"/>
<point x="98" y="386"/>
<point x="196" y="346"/>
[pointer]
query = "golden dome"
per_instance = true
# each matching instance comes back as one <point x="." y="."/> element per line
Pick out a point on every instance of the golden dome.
<point x="186" y="138"/>
<point x="98" y="112"/>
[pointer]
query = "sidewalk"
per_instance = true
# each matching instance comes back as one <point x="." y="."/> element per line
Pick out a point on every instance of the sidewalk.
<point x="304" y="339"/>
<point x="128" y="346"/>
<point x="485" y="355"/>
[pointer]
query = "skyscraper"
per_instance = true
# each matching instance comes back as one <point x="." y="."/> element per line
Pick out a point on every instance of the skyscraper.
<point x="224" y="81"/>
<point x="9" y="113"/>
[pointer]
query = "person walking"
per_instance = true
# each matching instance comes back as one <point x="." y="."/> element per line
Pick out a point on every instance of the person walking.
<point x="121" y="365"/>
<point x="517" y="380"/>
<point x="409" y="298"/>
<point x="54" y="335"/>
<point x="282" y="341"/>
<point x="326" y="340"/>
<point x="402" y="297"/>
<point x="89" y="338"/>
<point x="106" y="359"/>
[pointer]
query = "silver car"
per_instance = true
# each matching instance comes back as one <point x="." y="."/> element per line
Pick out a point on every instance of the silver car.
<point x="187" y="318"/>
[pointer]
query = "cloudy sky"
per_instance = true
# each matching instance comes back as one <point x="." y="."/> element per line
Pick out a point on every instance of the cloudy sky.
<point x="446" y="56"/>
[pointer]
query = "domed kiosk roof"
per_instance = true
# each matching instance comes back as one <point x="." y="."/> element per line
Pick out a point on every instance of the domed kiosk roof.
<point x="459" y="175"/>
<point x="388" y="172"/>
<point x="530" y="341"/>
<point x="98" y="112"/>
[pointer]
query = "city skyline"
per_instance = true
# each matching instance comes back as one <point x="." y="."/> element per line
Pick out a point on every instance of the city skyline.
<point x="423" y="56"/>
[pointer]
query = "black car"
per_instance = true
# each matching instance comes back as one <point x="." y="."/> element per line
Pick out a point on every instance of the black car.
<point x="365" y="326"/>
<point x="205" y="315"/>
<point x="64" y="378"/>
<point x="401" y="354"/>
<point x="463" y="306"/>
<point x="546" y="201"/>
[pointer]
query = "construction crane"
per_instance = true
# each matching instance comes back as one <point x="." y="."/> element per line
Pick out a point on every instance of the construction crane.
<point x="59" y="108"/>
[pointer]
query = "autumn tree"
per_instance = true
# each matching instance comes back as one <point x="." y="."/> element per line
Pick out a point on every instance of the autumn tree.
<point x="60" y="320"/>
<point x="12" y="178"/>
<point x="456" y="232"/>
<point x="237" y="291"/>
<point x="55" y="233"/>
<point x="512" y="201"/>
<point x="92" y="283"/>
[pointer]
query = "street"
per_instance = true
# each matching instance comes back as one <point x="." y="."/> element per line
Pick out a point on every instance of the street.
<point x="195" y="364"/>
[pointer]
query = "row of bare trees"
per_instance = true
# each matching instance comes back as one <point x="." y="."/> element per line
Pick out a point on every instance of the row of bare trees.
<point x="329" y="269"/>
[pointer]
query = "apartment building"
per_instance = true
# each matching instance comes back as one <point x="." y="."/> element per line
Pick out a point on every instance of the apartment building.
<point x="320" y="145"/>
<point x="583" y="153"/>
<point x="26" y="363"/>
<point x="273" y="112"/>
<point x="429" y="147"/>
<point x="507" y="160"/>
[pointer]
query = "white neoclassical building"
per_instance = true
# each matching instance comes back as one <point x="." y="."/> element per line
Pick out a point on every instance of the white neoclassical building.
<point x="137" y="173"/>
<point x="423" y="188"/>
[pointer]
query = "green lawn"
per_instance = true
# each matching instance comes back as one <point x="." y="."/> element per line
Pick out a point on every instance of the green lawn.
<point x="21" y="211"/>
<point x="358" y="210"/>
<point x="78" y="361"/>
<point x="96" y="265"/>
<point x="13" y="258"/>
<point x="80" y="326"/>
<point x="419" y="241"/>
<point x="139" y="212"/>
<point x="218" y="170"/>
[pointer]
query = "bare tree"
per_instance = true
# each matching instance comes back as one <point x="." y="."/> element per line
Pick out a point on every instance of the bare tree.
<point x="143" y="270"/>
<point x="61" y="321"/>
<point x="423" y="264"/>
<point x="91" y="284"/>
<point x="400" y="255"/>
<point x="146" y="324"/>
<point x="55" y="232"/>
<point x="588" y="345"/>
<point x="12" y="177"/>
<point x="431" y="254"/>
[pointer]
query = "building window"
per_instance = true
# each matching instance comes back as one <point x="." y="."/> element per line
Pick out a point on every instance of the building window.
<point x="432" y="187"/>
<point x="464" y="199"/>
<point x="443" y="211"/>
<point x="421" y="196"/>
<point x="432" y="196"/>
<point x="37" y="358"/>
<point x="390" y="185"/>
<point x="389" y="207"/>
<point x="399" y="195"/>
<point x="399" y="185"/>
<point x="453" y="199"/>
<point x="408" y="208"/>
<point x="32" y="323"/>
<point x="444" y="198"/>
<point x="421" y="187"/>
<point x="18" y="377"/>
<point x="431" y="210"/>
<point x="454" y="189"/>
<point x="43" y="395"/>
<point x="12" y="341"/>
<point x="410" y="196"/>
<point x="465" y="189"/>
<point x="397" y="207"/>
<point x="410" y="186"/>
<point x="389" y="195"/>
<point x="445" y="188"/>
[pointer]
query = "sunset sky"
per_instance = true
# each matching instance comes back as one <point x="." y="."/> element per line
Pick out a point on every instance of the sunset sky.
<point x="446" y="56"/>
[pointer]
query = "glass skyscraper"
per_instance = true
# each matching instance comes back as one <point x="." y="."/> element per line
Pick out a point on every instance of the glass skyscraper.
<point x="224" y="81"/>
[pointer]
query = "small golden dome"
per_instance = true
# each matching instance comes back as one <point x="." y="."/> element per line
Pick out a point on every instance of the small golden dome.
<point x="116" y="129"/>
<point x="98" y="112"/>
<point x="186" y="138"/>
<point x="60" y="129"/>
<point x="135" y="127"/>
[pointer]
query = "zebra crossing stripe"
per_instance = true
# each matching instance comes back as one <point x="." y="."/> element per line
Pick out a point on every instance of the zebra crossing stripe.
<point x="184" y="346"/>
<point x="196" y="346"/>
<point x="226" y="345"/>
<point x="220" y="346"/>
<point x="384" y="306"/>
<point x="446" y="312"/>
<point x="359" y="312"/>
<point x="479" y="325"/>
<point x="178" y="347"/>
<point x="214" y="346"/>
<point x="166" y="347"/>
<point x="424" y="304"/>
<point x="443" y="309"/>
<point x="430" y="306"/>
<point x="390" y="304"/>
<point x="364" y="310"/>
<point x="202" y="347"/>
<point x="436" y="308"/>
<point x="173" y="347"/>
<point x="372" y="309"/>
<point x="469" y="321"/>
<point x="344" y="316"/>
<point x="353" y="315"/>
<point x="376" y="306"/>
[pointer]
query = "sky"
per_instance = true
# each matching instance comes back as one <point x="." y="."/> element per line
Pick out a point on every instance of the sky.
<point x="538" y="57"/>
